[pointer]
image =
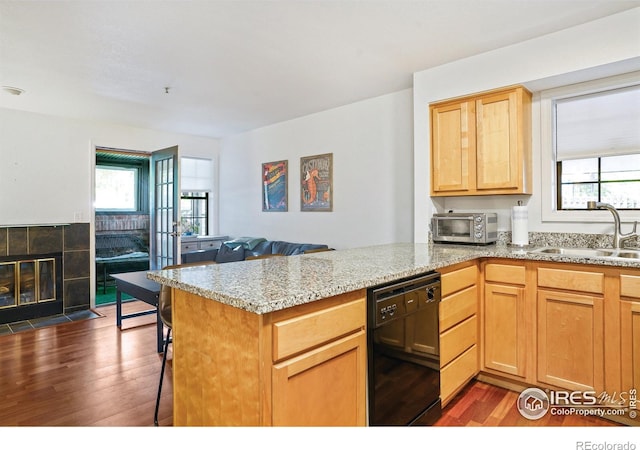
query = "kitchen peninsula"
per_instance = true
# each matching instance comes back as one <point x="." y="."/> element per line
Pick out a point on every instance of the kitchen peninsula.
<point x="282" y="341"/>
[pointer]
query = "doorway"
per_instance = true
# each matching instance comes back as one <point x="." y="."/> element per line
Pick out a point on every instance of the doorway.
<point x="122" y="217"/>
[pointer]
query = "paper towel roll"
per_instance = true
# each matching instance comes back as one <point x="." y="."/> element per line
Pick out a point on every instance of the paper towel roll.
<point x="519" y="225"/>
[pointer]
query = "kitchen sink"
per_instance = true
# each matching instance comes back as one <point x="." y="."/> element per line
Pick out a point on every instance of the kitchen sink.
<point x="607" y="253"/>
<point x="628" y="254"/>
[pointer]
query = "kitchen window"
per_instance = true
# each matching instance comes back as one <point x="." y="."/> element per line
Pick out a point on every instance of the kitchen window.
<point x="590" y="146"/>
<point x="597" y="147"/>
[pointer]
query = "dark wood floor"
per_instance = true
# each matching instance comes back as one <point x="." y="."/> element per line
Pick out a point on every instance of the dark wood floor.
<point x="481" y="404"/>
<point x="86" y="373"/>
<point x="90" y="373"/>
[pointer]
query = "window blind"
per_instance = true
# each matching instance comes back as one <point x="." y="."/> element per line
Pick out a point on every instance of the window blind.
<point x="600" y="124"/>
<point x="196" y="175"/>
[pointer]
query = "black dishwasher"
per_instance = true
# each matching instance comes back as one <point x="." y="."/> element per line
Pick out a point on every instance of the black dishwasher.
<point x="404" y="352"/>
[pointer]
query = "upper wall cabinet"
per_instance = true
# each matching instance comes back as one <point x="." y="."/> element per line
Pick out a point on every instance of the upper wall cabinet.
<point x="481" y="144"/>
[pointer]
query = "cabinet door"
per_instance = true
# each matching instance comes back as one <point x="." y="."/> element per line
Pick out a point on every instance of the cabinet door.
<point x="498" y="157"/>
<point x="571" y="340"/>
<point x="453" y="147"/>
<point x="504" y="333"/>
<point x="323" y="387"/>
<point x="630" y="337"/>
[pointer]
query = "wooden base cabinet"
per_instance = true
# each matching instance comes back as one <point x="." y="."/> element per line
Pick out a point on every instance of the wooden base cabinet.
<point x="458" y="325"/>
<point x="570" y="341"/>
<point x="505" y="319"/>
<point x="630" y="337"/>
<point x="571" y="327"/>
<point x="304" y="365"/>
<point x="321" y="387"/>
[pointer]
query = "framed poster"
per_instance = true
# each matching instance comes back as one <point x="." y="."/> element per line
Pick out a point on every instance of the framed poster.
<point x="316" y="182"/>
<point x="274" y="186"/>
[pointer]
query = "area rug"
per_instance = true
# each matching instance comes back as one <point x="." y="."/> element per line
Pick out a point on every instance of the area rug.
<point x="109" y="296"/>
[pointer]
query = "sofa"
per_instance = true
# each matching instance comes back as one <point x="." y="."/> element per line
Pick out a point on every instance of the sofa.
<point x="244" y="248"/>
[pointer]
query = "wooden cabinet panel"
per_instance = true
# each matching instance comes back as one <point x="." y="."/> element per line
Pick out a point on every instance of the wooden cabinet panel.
<point x="453" y="146"/>
<point x="323" y="387"/>
<point x="574" y="280"/>
<point x="570" y="340"/>
<point x="300" y="333"/>
<point x="505" y="273"/>
<point x="456" y="374"/>
<point x="457" y="307"/>
<point x="504" y="329"/>
<point x="630" y="345"/>
<point x="630" y="286"/>
<point x="451" y="282"/>
<point x="497" y="149"/>
<point x="457" y="339"/>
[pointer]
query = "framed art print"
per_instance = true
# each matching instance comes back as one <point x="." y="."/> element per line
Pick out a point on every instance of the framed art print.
<point x="274" y="186"/>
<point x="316" y="183"/>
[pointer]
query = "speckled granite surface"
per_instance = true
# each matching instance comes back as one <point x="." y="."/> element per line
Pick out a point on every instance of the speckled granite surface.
<point x="267" y="285"/>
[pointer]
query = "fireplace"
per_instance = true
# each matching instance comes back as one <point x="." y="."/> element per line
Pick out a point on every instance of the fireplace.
<point x="30" y="286"/>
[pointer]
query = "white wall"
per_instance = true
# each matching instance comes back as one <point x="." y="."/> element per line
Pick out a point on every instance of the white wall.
<point x="372" y="146"/>
<point x="604" y="47"/>
<point x="46" y="168"/>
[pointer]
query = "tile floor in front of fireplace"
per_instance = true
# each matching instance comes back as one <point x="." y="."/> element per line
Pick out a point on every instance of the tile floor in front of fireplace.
<point x="15" y="327"/>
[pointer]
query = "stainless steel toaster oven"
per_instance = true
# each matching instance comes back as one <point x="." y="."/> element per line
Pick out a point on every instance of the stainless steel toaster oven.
<point x="467" y="228"/>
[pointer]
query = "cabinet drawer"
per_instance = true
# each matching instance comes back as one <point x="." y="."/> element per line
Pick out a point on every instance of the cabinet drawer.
<point x="456" y="374"/>
<point x="504" y="273"/>
<point x="454" y="281"/>
<point x="630" y="286"/>
<point x="456" y="340"/>
<point x="457" y="307"/>
<point x="186" y="247"/>
<point x="207" y="245"/>
<point x="573" y="280"/>
<point x="300" y="333"/>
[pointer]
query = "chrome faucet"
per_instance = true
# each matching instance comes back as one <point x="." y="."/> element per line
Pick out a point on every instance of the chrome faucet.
<point x="618" y="236"/>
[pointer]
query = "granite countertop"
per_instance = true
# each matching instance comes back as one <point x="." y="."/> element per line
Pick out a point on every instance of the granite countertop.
<point x="265" y="285"/>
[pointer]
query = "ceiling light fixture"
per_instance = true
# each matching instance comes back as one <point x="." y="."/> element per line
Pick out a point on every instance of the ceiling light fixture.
<point x="166" y="90"/>
<point x="12" y="90"/>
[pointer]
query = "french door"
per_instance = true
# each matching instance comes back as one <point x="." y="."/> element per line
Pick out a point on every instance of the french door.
<point x="164" y="244"/>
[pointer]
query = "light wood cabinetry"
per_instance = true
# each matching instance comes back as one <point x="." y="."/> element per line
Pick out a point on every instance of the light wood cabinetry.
<point x="506" y="322"/>
<point x="481" y="144"/>
<point x="570" y="330"/>
<point x="458" y="324"/>
<point x="304" y="365"/>
<point x="630" y="335"/>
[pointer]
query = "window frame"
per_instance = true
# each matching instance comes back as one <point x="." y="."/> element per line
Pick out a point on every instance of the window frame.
<point x="189" y="195"/>
<point x="548" y="163"/>
<point x="600" y="183"/>
<point x="142" y="185"/>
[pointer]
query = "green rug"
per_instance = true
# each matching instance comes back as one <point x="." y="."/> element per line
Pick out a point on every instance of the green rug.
<point x="109" y="296"/>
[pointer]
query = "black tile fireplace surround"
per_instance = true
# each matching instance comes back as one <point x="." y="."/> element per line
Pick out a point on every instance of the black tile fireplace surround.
<point x="69" y="245"/>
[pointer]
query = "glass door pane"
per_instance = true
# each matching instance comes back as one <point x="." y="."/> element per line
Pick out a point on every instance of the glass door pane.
<point x="7" y="284"/>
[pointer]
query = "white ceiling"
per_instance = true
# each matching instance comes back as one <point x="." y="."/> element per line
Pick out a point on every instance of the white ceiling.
<point x="237" y="65"/>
